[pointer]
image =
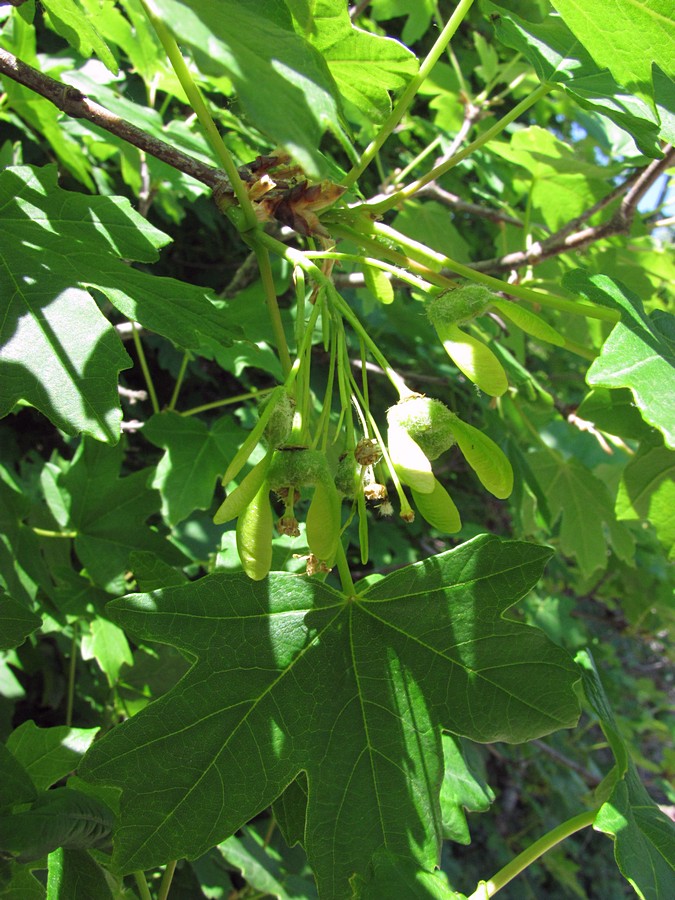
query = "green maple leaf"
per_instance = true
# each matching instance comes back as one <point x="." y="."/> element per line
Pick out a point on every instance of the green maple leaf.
<point x="588" y="522"/>
<point x="273" y="69"/>
<point x="641" y="33"/>
<point x="57" y="350"/>
<point x="108" y="513"/>
<point x="558" y="56"/>
<point x="76" y="26"/>
<point x="639" y="353"/>
<point x="365" y="66"/>
<point x="195" y="455"/>
<point x="292" y="676"/>
<point x="16" y="622"/>
<point x="644" y="837"/>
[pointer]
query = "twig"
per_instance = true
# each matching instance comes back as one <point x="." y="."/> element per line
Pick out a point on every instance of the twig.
<point x="406" y="373"/>
<point x="74" y="103"/>
<point x="563" y="241"/>
<point x="434" y="192"/>
<point x="590" y="779"/>
<point x="356" y="10"/>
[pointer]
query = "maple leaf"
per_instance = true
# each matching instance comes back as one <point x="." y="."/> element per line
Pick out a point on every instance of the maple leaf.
<point x="293" y="676"/>
<point x="57" y="350"/>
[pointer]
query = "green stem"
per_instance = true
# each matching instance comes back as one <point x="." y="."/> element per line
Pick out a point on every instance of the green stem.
<point x="229" y="401"/>
<point x="409" y="93"/>
<point x="45" y="532"/>
<point x="345" y="311"/>
<point x="296" y="257"/>
<point x="187" y="356"/>
<point x="421" y="156"/>
<point x="167" y="878"/>
<point x="396" y="271"/>
<point x="72" y="666"/>
<point x="144" y="368"/>
<point x="396" y="198"/>
<point x="406" y="511"/>
<point x="420" y="251"/>
<point x="322" y="426"/>
<point x="346" y="580"/>
<point x="142" y="886"/>
<point x="196" y="101"/>
<point x="429" y="272"/>
<point x="267" y="277"/>
<point x="489" y="888"/>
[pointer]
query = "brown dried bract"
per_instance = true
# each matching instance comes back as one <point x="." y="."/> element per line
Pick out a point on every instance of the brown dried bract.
<point x="288" y="525"/>
<point x="279" y="190"/>
<point x="367" y="452"/>
<point x="375" y="493"/>
<point x="315" y="566"/>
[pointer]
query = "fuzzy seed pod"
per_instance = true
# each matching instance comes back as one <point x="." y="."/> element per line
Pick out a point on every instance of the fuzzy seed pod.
<point x="458" y="306"/>
<point x="427" y="421"/>
<point x="347" y="475"/>
<point x="280" y="423"/>
<point x="299" y="467"/>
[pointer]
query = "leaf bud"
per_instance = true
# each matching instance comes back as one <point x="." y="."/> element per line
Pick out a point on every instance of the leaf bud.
<point x="458" y="306"/>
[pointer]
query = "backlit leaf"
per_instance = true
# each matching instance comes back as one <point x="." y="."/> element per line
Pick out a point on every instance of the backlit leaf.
<point x="365" y="66"/>
<point x="273" y="69"/>
<point x="588" y="523"/>
<point x="639" y="353"/>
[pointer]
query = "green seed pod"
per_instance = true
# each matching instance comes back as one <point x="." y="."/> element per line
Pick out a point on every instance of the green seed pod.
<point x="474" y="359"/>
<point x="323" y="522"/>
<point x="254" y="536"/>
<point x="438" y="509"/>
<point x="249" y="445"/>
<point x="347" y="476"/>
<point x="379" y="284"/>
<point x="298" y="466"/>
<point x="427" y="421"/>
<point x="280" y="423"/>
<point x="529" y="322"/>
<point x="238" y="499"/>
<point x="486" y="459"/>
<point x="458" y="306"/>
<point x="412" y="466"/>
